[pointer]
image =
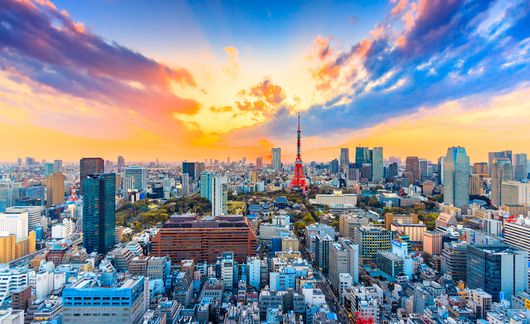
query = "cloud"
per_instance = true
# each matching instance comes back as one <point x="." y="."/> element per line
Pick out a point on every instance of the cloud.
<point x="232" y="66"/>
<point x="46" y="45"/>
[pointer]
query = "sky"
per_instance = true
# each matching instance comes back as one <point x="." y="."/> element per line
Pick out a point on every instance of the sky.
<point x="179" y="80"/>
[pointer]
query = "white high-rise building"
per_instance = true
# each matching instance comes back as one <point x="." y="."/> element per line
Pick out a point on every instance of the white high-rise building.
<point x="12" y="280"/>
<point x="276" y="158"/>
<point x="16" y="224"/>
<point x="515" y="193"/>
<point x="219" y="196"/>
<point x="127" y="184"/>
<point x="140" y="176"/>
<point x="227" y="270"/>
<point x="34" y="214"/>
<point x="254" y="272"/>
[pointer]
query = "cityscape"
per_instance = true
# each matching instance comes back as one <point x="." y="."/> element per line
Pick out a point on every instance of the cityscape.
<point x="215" y="162"/>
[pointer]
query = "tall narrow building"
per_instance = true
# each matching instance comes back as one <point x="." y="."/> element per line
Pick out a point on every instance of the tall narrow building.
<point x="89" y="166"/>
<point x="276" y="158"/>
<point x="219" y="196"/>
<point x="520" y="168"/>
<point x="362" y="156"/>
<point x="377" y="164"/>
<point x="412" y="169"/>
<point x="344" y="161"/>
<point x="99" y="218"/>
<point x="139" y="174"/>
<point x="55" y="189"/>
<point x="501" y="170"/>
<point x="456" y="177"/>
<point x="206" y="184"/>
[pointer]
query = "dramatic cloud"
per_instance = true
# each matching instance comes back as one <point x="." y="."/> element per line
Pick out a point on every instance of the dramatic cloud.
<point x="232" y="65"/>
<point x="423" y="53"/>
<point x="45" y="44"/>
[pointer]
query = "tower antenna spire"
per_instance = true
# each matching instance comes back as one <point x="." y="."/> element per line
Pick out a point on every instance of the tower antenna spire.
<point x="298" y="182"/>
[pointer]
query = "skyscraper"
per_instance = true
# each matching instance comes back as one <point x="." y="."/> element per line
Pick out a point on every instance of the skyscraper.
<point x="139" y="174"/>
<point x="456" y="177"/>
<point x="48" y="169"/>
<point x="120" y="163"/>
<point x="276" y="158"/>
<point x="189" y="168"/>
<point x="55" y="189"/>
<point x="501" y="170"/>
<point x="206" y="184"/>
<point x="412" y="169"/>
<point x="344" y="161"/>
<point x="495" y="155"/>
<point x="377" y="164"/>
<point x="520" y="169"/>
<point x="99" y="216"/>
<point x="90" y="166"/>
<point x="362" y="155"/>
<point x="219" y="196"/>
<point x="259" y="163"/>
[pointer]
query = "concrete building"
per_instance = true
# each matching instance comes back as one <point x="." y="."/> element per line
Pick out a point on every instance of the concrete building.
<point x="454" y="261"/>
<point x="515" y="193"/>
<point x="520" y="167"/>
<point x="139" y="174"/>
<point x="377" y="164"/>
<point x="517" y="234"/>
<point x="86" y="302"/>
<point x="35" y="214"/>
<point x="16" y="224"/>
<point x="501" y="171"/>
<point x="432" y="242"/>
<point x="276" y="158"/>
<point x="219" y="196"/>
<point x="55" y="189"/>
<point x="349" y="222"/>
<point x="372" y="240"/>
<point x="337" y="199"/>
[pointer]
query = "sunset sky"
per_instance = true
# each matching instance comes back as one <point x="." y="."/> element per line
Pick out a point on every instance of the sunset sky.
<point x="179" y="80"/>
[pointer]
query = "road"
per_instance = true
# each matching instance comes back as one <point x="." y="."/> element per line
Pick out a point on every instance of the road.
<point x="331" y="299"/>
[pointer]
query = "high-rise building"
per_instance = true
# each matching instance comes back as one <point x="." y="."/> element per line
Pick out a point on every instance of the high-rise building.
<point x="476" y="184"/>
<point x="521" y="167"/>
<point x="517" y="234"/>
<point x="87" y="302"/>
<point x="322" y="244"/>
<point x="392" y="170"/>
<point x="496" y="155"/>
<point x="189" y="168"/>
<point x="34" y="214"/>
<point x="454" y="261"/>
<point x="377" y="164"/>
<point x="90" y="166"/>
<point x="227" y="270"/>
<point x="456" y="177"/>
<point x="219" y="196"/>
<point x="432" y="242"/>
<point x="57" y="166"/>
<point x="412" y="169"/>
<point x="499" y="270"/>
<point x="55" y="189"/>
<point x="259" y="163"/>
<point x="185" y="181"/>
<point x="276" y="158"/>
<point x="334" y="166"/>
<point x="48" y="169"/>
<point x="362" y="155"/>
<point x="120" y="163"/>
<point x="481" y="168"/>
<point x="344" y="159"/>
<point x="186" y="237"/>
<point x="139" y="174"/>
<point x="206" y="185"/>
<point x="99" y="218"/>
<point x="371" y="240"/>
<point x="127" y="184"/>
<point x="515" y="193"/>
<point x="501" y="171"/>
<point x="14" y="224"/>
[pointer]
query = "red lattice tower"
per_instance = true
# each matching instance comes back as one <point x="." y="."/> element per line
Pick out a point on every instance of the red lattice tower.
<point x="298" y="182"/>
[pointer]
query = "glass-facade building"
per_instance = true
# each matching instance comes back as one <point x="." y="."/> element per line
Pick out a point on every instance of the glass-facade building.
<point x="456" y="177"/>
<point x="99" y="215"/>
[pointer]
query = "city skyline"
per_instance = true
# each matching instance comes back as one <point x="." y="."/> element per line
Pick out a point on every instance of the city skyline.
<point x="413" y="77"/>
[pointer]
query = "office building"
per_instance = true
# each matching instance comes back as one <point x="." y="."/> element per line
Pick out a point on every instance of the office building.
<point x="415" y="232"/>
<point x="193" y="169"/>
<point x="55" y="189"/>
<point x="206" y="185"/>
<point x="343" y="257"/>
<point x="362" y="156"/>
<point x="391" y="264"/>
<point x="520" y="167"/>
<point x="515" y="193"/>
<point x="344" y="159"/>
<point x="337" y="199"/>
<point x="87" y="302"/>
<point x="322" y="244"/>
<point x="139" y="174"/>
<point x="120" y="163"/>
<point x="492" y="156"/>
<point x="227" y="270"/>
<point x="204" y="239"/>
<point x="501" y="171"/>
<point x="432" y="242"/>
<point x="99" y="218"/>
<point x="371" y="240"/>
<point x="454" y="260"/>
<point x="517" y="234"/>
<point x="35" y="214"/>
<point x="48" y="169"/>
<point x="127" y="184"/>
<point x="14" y="224"/>
<point x="276" y="161"/>
<point x="377" y="164"/>
<point x="311" y="231"/>
<point x="456" y="177"/>
<point x="476" y="184"/>
<point x="499" y="270"/>
<point x="349" y="222"/>
<point x="259" y="163"/>
<point x="90" y="166"/>
<point x="481" y="168"/>
<point x="219" y="196"/>
<point x="412" y="169"/>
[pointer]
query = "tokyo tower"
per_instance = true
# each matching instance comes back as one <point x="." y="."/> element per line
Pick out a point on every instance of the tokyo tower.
<point x="298" y="182"/>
